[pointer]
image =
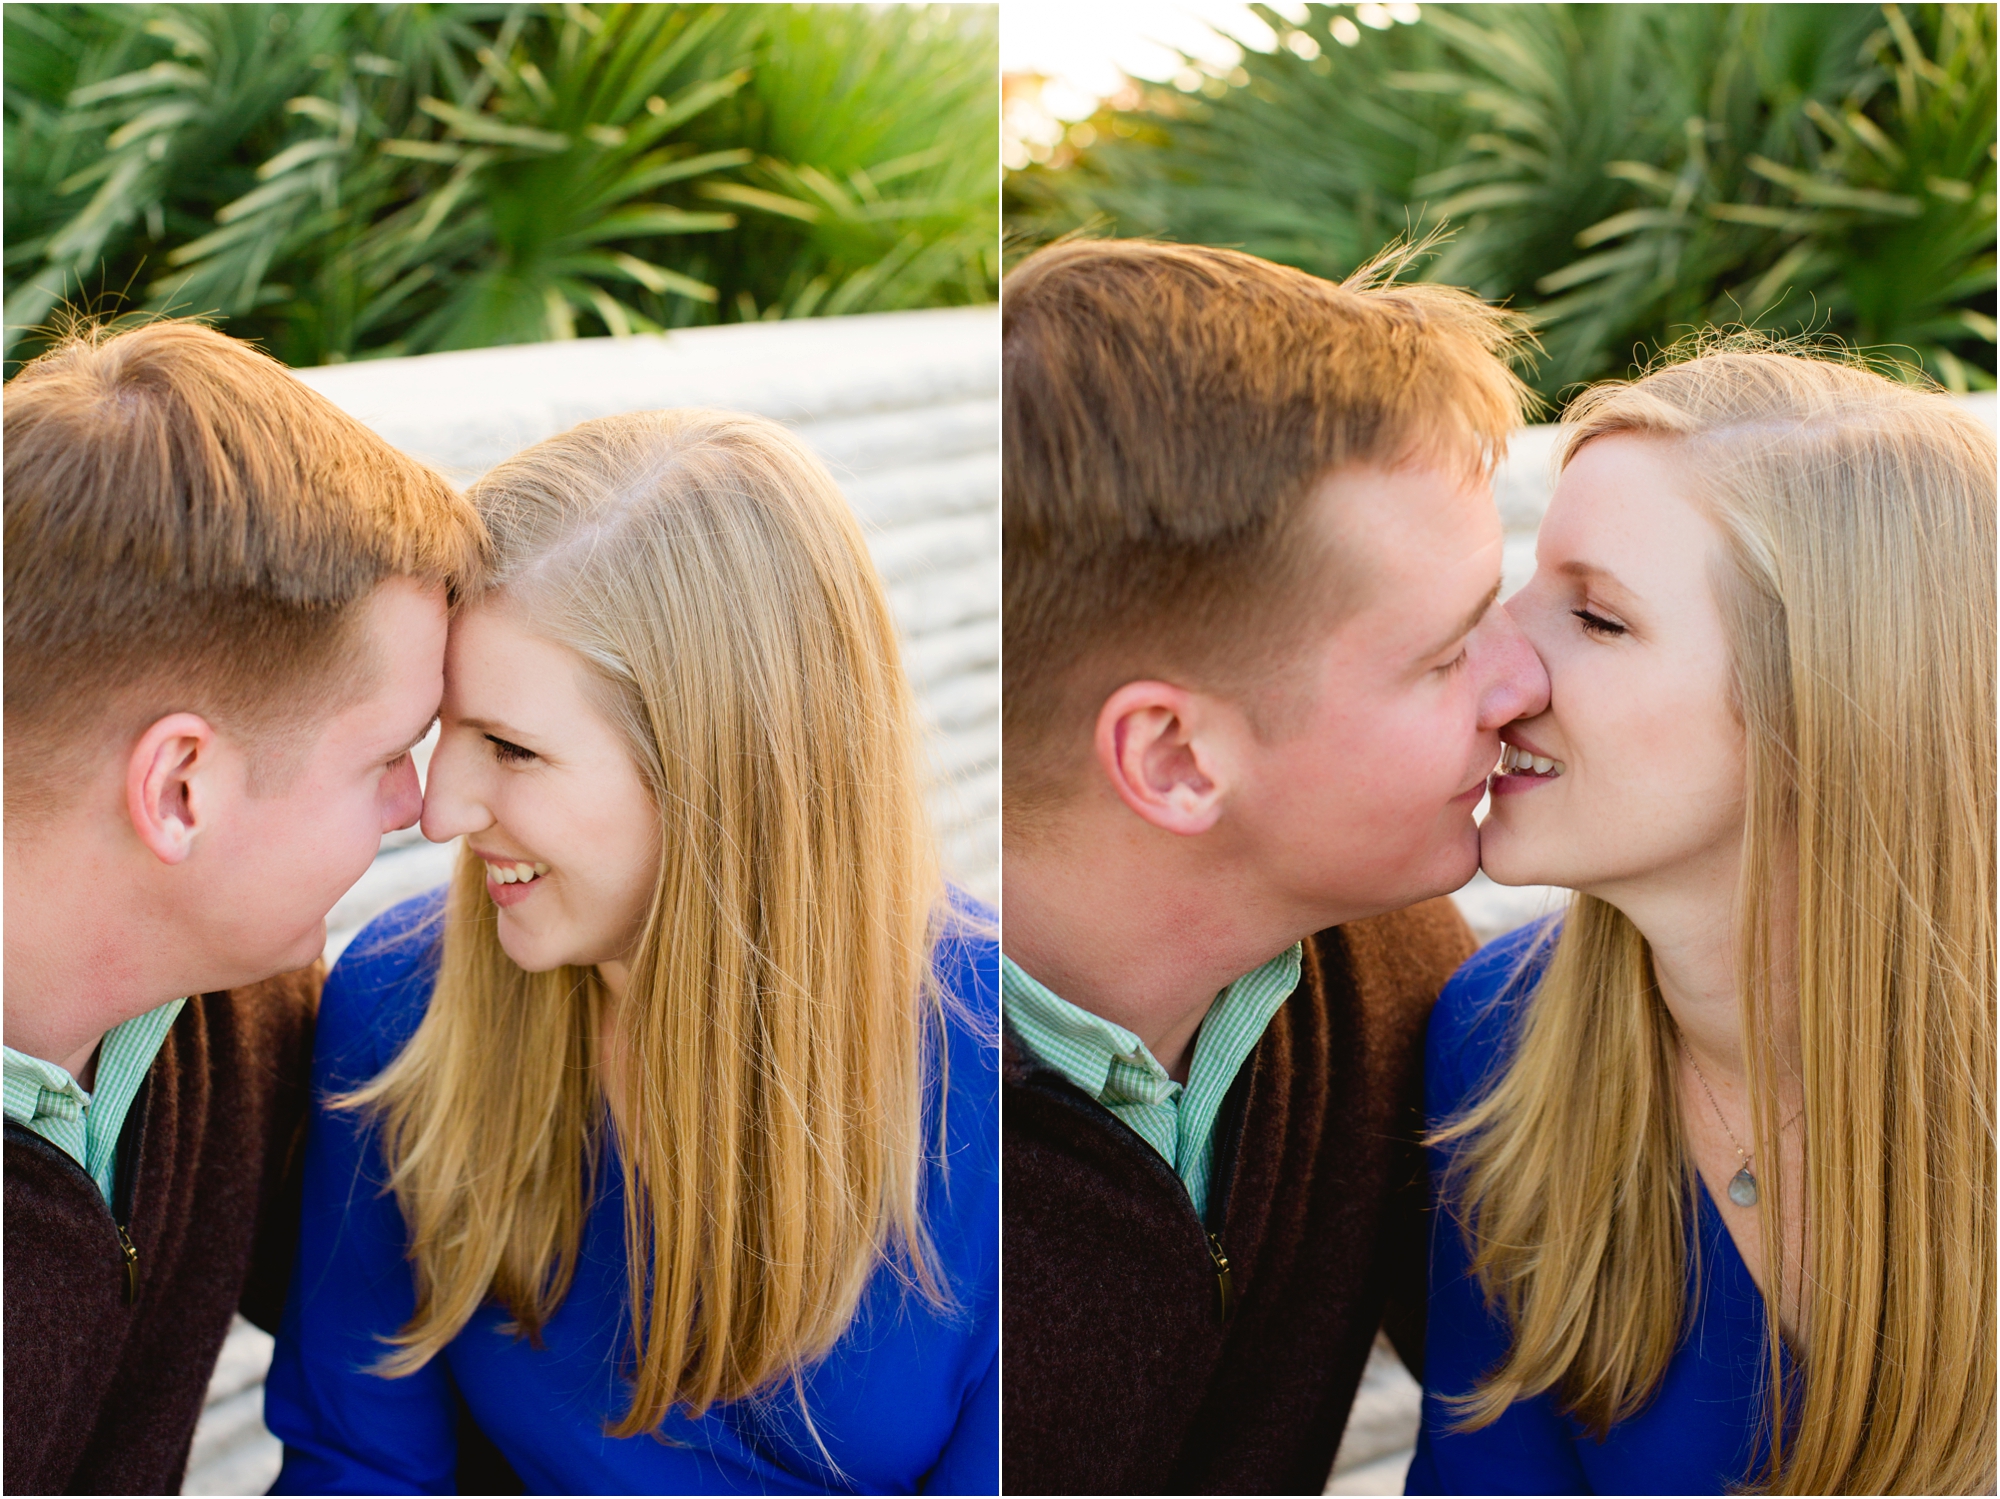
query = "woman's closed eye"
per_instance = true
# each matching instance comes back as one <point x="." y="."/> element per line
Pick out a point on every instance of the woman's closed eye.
<point x="1596" y="624"/>
<point x="507" y="752"/>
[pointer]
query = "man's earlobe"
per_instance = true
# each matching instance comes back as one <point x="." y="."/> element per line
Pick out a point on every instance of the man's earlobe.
<point x="1149" y="745"/>
<point x="165" y="784"/>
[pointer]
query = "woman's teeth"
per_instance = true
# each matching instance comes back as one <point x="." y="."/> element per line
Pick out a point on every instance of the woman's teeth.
<point x="515" y="874"/>
<point x="1518" y="762"/>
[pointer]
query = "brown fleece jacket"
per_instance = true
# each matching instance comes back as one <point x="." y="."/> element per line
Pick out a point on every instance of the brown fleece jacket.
<point x="103" y="1386"/>
<point x="1120" y="1377"/>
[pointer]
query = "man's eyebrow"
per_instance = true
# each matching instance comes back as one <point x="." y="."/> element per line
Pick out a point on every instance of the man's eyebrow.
<point x="428" y="726"/>
<point x="1471" y="620"/>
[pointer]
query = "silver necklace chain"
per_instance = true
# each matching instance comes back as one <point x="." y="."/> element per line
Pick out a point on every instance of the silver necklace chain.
<point x="1743" y="1186"/>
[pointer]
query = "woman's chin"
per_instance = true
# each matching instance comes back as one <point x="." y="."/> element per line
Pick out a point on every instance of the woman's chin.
<point x="526" y="955"/>
<point x="1509" y="857"/>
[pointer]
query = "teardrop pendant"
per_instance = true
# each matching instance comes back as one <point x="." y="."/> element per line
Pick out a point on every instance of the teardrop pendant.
<point x="1743" y="1189"/>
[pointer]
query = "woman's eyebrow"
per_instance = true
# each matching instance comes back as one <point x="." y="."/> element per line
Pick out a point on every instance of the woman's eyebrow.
<point x="497" y="729"/>
<point x="1590" y="572"/>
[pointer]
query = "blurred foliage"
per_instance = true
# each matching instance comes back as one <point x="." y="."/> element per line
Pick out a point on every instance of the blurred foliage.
<point x="1623" y="173"/>
<point x="343" y="181"/>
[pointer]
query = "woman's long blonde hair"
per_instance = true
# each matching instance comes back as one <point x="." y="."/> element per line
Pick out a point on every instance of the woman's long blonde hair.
<point x="1857" y="589"/>
<point x="778" y="1034"/>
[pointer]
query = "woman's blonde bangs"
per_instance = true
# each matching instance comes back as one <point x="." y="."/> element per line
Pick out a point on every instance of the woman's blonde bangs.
<point x="1857" y="587"/>
<point x="781" y="1028"/>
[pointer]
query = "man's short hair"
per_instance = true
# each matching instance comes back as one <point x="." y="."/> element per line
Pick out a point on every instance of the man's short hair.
<point x="1168" y="411"/>
<point x="189" y="527"/>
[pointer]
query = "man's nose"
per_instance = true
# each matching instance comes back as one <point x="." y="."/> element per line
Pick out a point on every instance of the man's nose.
<point x="1517" y="683"/>
<point x="403" y="798"/>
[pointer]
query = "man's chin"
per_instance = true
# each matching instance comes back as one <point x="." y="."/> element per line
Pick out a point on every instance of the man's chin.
<point x="239" y="970"/>
<point x="1446" y="872"/>
<point x="1460" y="869"/>
<point x="305" y="950"/>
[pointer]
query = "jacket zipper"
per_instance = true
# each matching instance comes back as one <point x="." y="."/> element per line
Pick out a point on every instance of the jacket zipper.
<point x="128" y="1252"/>
<point x="1073" y="1097"/>
<point x="1224" y="1295"/>
<point x="131" y="1253"/>
<point x="130" y="1140"/>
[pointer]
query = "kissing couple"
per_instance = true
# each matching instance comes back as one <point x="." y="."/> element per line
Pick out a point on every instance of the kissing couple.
<point x="1688" y="1188"/>
<point x="656" y="1154"/>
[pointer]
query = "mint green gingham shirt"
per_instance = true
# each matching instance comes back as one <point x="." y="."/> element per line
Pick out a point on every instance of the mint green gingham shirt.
<point x="1113" y="1066"/>
<point x="46" y="1099"/>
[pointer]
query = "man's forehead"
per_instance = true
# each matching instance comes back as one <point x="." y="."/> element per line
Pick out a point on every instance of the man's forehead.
<point x="1403" y="521"/>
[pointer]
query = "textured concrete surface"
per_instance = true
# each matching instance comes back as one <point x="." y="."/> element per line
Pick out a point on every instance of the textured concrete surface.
<point x="1381" y="1429"/>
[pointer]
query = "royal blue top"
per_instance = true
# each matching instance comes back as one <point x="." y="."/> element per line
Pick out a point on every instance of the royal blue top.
<point x="907" y="1402"/>
<point x="1702" y="1431"/>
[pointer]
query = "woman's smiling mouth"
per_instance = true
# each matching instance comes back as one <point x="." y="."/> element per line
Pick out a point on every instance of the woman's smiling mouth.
<point x="1521" y="769"/>
<point x="511" y="881"/>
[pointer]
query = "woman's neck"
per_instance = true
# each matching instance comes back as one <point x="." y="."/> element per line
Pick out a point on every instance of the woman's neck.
<point x="1690" y="926"/>
<point x="616" y="978"/>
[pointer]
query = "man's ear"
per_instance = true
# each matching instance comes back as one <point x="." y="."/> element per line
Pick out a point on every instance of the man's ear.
<point x="168" y="779"/>
<point x="1150" y="743"/>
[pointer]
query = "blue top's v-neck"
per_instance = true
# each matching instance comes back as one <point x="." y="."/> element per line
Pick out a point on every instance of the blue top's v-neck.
<point x="1704" y="1429"/>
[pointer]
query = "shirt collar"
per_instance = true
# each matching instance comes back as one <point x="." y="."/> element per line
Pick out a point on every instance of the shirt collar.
<point x="37" y="1089"/>
<point x="1102" y="1058"/>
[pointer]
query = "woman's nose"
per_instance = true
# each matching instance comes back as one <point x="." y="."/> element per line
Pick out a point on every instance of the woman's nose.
<point x="453" y="806"/>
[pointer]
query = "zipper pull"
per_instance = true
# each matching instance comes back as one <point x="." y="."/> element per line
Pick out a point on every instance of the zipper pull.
<point x="131" y="1253"/>
<point x="1225" y="1296"/>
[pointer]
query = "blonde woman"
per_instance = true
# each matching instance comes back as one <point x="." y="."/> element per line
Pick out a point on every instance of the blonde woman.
<point x="1714" y="1151"/>
<point x="658" y="1154"/>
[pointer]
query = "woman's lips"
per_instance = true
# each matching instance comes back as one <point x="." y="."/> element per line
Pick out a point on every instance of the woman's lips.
<point x="510" y="895"/>
<point x="1522" y="767"/>
<point x="1506" y="785"/>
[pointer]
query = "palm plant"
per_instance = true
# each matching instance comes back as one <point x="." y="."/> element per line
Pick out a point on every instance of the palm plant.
<point x="1624" y="173"/>
<point x="875" y="132"/>
<point x="350" y="180"/>
<point x="121" y="134"/>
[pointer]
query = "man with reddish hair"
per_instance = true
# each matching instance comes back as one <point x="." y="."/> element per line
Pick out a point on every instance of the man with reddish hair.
<point x="225" y="624"/>
<point x="1253" y="688"/>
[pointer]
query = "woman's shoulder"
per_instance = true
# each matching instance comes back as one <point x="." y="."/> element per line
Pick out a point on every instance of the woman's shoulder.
<point x="965" y="956"/>
<point x="966" y="959"/>
<point x="378" y="990"/>
<point x="1472" y="1029"/>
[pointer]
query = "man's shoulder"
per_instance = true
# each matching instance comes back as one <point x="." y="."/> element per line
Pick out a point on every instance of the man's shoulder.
<point x="268" y="1021"/>
<point x="1395" y="964"/>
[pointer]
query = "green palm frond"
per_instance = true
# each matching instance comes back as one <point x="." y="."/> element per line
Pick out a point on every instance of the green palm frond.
<point x="877" y="134"/>
<point x="1623" y="173"/>
<point x="344" y="181"/>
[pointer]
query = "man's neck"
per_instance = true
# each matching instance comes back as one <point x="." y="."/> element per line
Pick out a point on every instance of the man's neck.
<point x="1142" y="941"/>
<point x="76" y="955"/>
